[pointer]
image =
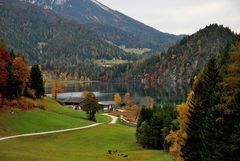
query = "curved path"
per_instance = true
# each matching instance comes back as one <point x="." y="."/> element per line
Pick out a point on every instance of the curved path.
<point x="114" y="120"/>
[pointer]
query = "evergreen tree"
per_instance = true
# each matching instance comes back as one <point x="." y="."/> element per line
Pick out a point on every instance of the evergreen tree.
<point x="229" y="107"/>
<point x="36" y="81"/>
<point x="196" y="145"/>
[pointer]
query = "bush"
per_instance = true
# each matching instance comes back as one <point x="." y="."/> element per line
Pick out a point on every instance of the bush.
<point x="31" y="93"/>
<point x="22" y="103"/>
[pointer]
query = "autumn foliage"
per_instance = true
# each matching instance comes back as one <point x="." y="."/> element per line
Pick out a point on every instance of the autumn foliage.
<point x="117" y="99"/>
<point x="21" y="73"/>
<point x="14" y="81"/>
<point x="56" y="88"/>
<point x="176" y="138"/>
<point x="128" y="99"/>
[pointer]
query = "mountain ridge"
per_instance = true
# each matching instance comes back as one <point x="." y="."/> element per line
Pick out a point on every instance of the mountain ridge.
<point x="55" y="42"/>
<point x="180" y="63"/>
<point x="94" y="12"/>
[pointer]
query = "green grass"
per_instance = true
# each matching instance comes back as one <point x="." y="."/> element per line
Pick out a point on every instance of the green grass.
<point x="54" y="117"/>
<point x="84" y="145"/>
<point x="110" y="62"/>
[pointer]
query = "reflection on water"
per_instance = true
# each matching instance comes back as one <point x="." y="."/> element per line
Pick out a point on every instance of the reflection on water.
<point x="105" y="91"/>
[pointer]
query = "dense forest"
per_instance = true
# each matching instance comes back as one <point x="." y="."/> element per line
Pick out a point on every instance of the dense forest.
<point x="180" y="63"/>
<point x="111" y="25"/>
<point x="54" y="42"/>
<point x="206" y="126"/>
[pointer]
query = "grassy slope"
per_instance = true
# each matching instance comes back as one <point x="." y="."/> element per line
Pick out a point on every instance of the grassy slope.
<point x="54" y="117"/>
<point x="83" y="145"/>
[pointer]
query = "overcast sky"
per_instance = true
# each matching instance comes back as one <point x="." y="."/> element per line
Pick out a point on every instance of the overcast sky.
<point x="180" y="16"/>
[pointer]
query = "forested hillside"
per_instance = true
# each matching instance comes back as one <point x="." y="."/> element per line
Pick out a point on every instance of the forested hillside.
<point x="52" y="41"/>
<point x="209" y="119"/>
<point x="180" y="63"/>
<point x="110" y="24"/>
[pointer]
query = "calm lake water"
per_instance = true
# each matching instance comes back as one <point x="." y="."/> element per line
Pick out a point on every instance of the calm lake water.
<point x="105" y="91"/>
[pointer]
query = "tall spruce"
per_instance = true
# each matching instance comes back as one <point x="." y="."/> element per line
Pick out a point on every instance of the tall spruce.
<point x="36" y="81"/>
<point x="200" y="107"/>
<point x="229" y="107"/>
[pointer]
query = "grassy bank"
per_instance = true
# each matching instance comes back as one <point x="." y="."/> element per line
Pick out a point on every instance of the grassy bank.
<point x="91" y="144"/>
<point x="86" y="145"/>
<point x="53" y="117"/>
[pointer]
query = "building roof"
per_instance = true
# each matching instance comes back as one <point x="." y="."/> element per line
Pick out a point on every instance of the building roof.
<point x="72" y="100"/>
<point x="106" y="103"/>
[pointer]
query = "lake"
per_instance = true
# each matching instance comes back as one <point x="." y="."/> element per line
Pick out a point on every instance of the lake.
<point x="105" y="91"/>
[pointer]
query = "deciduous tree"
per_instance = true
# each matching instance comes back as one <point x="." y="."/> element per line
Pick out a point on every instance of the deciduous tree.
<point x="128" y="99"/>
<point x="91" y="106"/>
<point x="117" y="99"/>
<point x="56" y="88"/>
<point x="21" y="73"/>
<point x="149" y="101"/>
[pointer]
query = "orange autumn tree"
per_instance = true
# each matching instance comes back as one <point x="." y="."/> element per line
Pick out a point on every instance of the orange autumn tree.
<point x="128" y="99"/>
<point x="56" y="88"/>
<point x="149" y="101"/>
<point x="21" y="73"/>
<point x="117" y="99"/>
<point x="84" y="94"/>
<point x="176" y="138"/>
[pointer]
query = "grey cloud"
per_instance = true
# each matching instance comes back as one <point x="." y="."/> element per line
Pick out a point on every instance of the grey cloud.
<point x="180" y="16"/>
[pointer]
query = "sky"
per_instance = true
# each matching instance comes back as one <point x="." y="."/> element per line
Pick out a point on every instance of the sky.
<point x="180" y="16"/>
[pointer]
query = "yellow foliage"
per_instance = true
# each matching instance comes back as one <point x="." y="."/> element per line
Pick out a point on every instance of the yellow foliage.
<point x="56" y="88"/>
<point x="128" y="99"/>
<point x="84" y="94"/>
<point x="176" y="138"/>
<point x="149" y="101"/>
<point x="117" y="99"/>
<point x="21" y="73"/>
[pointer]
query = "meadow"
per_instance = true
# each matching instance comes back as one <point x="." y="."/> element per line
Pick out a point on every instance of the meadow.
<point x="102" y="143"/>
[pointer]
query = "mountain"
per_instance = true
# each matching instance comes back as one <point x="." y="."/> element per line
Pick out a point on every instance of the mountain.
<point x="112" y="25"/>
<point x="181" y="62"/>
<point x="46" y="38"/>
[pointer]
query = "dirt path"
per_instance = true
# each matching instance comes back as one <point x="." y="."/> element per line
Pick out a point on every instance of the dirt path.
<point x="114" y="120"/>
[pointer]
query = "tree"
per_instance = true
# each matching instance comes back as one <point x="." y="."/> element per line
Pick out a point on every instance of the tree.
<point x="154" y="124"/>
<point x="229" y="107"/>
<point x="2" y="44"/>
<point x="84" y="94"/>
<point x="117" y="99"/>
<point x="91" y="106"/>
<point x="198" y="144"/>
<point x="177" y="138"/>
<point x="128" y="99"/>
<point x="56" y="88"/>
<point x="149" y="101"/>
<point x="36" y="81"/>
<point x="21" y="73"/>
<point x="3" y="81"/>
<point x="5" y="56"/>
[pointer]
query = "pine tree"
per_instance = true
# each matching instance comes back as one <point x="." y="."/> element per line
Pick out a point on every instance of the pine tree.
<point x="36" y="81"/>
<point x="229" y="106"/>
<point x="196" y="146"/>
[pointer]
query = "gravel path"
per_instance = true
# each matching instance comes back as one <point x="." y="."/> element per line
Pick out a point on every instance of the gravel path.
<point x="50" y="132"/>
<point x="114" y="120"/>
